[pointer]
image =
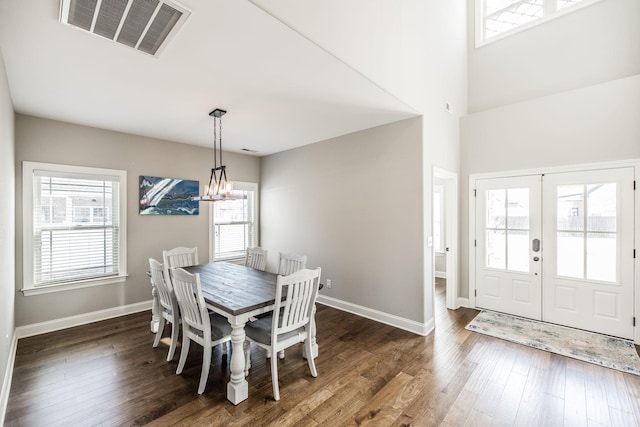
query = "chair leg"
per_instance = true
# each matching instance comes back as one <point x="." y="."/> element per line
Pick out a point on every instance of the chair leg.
<point x="206" y="364"/>
<point x="156" y="341"/>
<point x="175" y="331"/>
<point x="274" y="378"/>
<point x="183" y="353"/>
<point x="281" y="354"/>
<point x="312" y="364"/>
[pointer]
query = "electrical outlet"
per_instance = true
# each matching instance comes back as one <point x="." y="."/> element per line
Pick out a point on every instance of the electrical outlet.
<point x="328" y="283"/>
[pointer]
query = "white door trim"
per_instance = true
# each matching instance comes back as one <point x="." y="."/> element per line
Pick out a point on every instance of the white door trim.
<point x="635" y="163"/>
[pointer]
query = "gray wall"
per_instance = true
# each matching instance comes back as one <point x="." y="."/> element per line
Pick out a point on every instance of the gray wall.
<point x="7" y="226"/>
<point x="592" y="45"/>
<point x="51" y="141"/>
<point x="353" y="205"/>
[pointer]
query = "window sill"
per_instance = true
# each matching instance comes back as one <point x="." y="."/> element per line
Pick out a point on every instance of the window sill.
<point x="73" y="285"/>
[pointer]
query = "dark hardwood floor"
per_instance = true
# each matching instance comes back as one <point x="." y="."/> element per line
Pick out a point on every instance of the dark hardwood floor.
<point x="107" y="374"/>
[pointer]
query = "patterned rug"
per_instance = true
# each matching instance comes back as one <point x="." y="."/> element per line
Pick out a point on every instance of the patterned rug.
<point x="603" y="350"/>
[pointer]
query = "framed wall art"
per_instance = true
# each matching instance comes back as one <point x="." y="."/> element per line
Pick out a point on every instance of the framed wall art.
<point x="167" y="196"/>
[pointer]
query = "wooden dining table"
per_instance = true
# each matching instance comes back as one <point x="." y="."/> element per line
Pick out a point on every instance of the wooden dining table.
<point x="239" y="293"/>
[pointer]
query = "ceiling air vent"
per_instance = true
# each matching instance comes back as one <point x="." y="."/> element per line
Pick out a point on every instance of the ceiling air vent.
<point x="144" y="25"/>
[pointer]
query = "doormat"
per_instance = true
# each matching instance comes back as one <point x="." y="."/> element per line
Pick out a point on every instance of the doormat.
<point x="603" y="350"/>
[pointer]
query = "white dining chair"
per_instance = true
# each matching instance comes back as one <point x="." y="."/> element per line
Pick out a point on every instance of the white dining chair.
<point x="198" y="324"/>
<point x="287" y="264"/>
<point x="290" y="263"/>
<point x="178" y="257"/>
<point x="289" y="323"/>
<point x="256" y="258"/>
<point x="169" y="310"/>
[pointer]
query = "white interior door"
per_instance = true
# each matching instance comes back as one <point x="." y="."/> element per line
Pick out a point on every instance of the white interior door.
<point x="508" y="231"/>
<point x="588" y="250"/>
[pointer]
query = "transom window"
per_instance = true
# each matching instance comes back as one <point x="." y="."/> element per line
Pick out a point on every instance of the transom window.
<point x="234" y="223"/>
<point x="74" y="235"/>
<point x="496" y="18"/>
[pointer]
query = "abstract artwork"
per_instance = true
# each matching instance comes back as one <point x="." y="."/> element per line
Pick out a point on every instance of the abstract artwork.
<point x="167" y="196"/>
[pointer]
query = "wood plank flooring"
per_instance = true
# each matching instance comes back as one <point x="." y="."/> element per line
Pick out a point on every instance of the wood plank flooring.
<point x="107" y="374"/>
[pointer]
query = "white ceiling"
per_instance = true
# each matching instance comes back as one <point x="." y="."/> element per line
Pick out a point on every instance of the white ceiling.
<point x="280" y="89"/>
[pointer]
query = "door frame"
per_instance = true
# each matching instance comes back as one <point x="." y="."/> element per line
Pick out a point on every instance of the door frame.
<point x="450" y="202"/>
<point x="635" y="163"/>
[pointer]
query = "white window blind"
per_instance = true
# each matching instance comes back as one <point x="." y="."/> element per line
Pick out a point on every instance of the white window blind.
<point x="76" y="228"/>
<point x="234" y="223"/>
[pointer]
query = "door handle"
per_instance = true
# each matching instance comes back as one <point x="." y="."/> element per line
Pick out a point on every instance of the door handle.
<point x="535" y="245"/>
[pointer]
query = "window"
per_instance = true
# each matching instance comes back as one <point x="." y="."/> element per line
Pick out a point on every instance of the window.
<point x="438" y="219"/>
<point x="74" y="227"/>
<point x="587" y="242"/>
<point x="507" y="229"/>
<point x="500" y="17"/>
<point x="234" y="225"/>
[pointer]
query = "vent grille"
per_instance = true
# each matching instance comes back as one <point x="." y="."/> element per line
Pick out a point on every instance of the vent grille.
<point x="145" y="25"/>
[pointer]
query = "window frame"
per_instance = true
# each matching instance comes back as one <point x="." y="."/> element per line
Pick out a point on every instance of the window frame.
<point x="550" y="13"/>
<point x="28" y="285"/>
<point x="242" y="186"/>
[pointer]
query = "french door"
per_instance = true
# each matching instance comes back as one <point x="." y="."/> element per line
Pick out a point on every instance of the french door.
<point x="558" y="248"/>
<point x="588" y="251"/>
<point x="508" y="275"/>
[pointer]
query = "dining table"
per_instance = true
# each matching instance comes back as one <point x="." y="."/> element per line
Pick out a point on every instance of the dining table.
<point x="240" y="293"/>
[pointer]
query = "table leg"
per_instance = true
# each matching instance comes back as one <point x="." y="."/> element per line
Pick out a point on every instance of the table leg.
<point x="312" y="337"/>
<point x="155" y="310"/>
<point x="237" y="387"/>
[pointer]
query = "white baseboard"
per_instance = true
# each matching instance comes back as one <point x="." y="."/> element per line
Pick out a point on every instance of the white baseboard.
<point x="8" y="375"/>
<point x="80" y="319"/>
<point x="464" y="302"/>
<point x="379" y="316"/>
<point x="441" y="274"/>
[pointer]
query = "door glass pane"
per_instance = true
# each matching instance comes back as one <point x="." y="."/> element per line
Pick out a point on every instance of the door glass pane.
<point x="601" y="256"/>
<point x="518" y="208"/>
<point x="495" y="208"/>
<point x="570" y="255"/>
<point x="495" y="249"/>
<point x="518" y="250"/>
<point x="570" y="207"/>
<point x="601" y="204"/>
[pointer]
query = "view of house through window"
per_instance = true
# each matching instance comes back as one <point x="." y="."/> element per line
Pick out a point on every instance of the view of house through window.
<point x="75" y="229"/>
<point x="496" y="17"/>
<point x="234" y="223"/>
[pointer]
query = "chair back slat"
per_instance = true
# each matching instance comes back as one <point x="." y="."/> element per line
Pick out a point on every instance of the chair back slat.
<point x="188" y="291"/>
<point x="290" y="263"/>
<point x="301" y="291"/>
<point x="256" y="258"/>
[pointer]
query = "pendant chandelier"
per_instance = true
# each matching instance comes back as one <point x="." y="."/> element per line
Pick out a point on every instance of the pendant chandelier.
<point x="219" y="187"/>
